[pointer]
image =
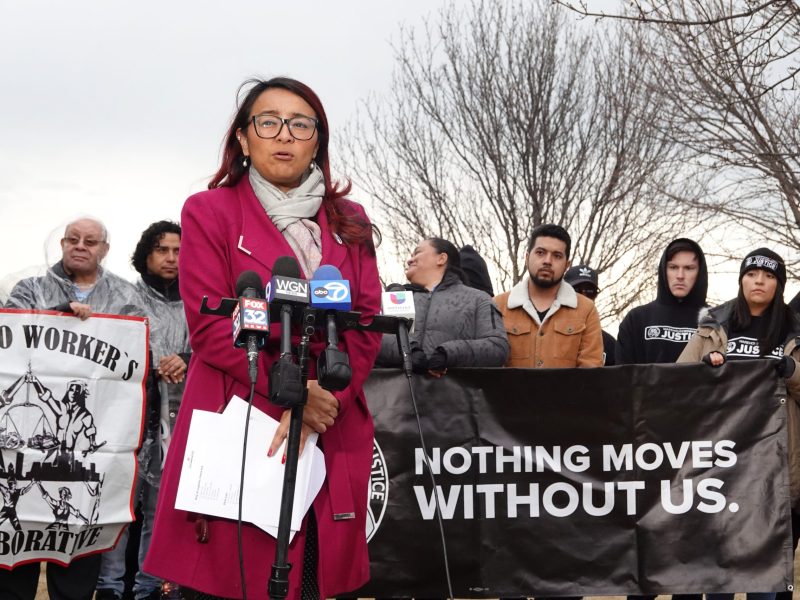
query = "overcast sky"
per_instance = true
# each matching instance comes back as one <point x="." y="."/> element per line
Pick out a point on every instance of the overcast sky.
<point x="118" y="108"/>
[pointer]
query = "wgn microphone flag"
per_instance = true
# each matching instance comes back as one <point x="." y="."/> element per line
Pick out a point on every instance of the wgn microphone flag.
<point x="288" y="294"/>
<point x="286" y="285"/>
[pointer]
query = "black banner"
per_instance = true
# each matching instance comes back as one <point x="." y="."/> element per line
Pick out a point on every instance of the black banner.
<point x="650" y="479"/>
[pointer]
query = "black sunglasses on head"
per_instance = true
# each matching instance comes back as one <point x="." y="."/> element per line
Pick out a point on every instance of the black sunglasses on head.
<point x="589" y="292"/>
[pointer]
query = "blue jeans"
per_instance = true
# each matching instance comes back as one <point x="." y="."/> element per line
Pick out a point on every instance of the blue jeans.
<point x="112" y="566"/>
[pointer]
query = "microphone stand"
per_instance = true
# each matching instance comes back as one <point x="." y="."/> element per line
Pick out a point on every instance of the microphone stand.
<point x="399" y="326"/>
<point x="405" y="348"/>
<point x="279" y="578"/>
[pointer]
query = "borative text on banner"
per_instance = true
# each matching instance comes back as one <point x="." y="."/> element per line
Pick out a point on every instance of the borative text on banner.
<point x="71" y="414"/>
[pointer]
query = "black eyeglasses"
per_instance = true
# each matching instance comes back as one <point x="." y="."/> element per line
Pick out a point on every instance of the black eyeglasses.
<point x="590" y="293"/>
<point x="270" y="126"/>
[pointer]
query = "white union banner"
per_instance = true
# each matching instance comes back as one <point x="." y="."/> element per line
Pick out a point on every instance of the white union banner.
<point x="71" y="416"/>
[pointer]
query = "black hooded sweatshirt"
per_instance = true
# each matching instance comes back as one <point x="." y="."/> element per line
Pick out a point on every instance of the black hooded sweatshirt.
<point x="658" y="331"/>
<point x="794" y="303"/>
<point x="474" y="267"/>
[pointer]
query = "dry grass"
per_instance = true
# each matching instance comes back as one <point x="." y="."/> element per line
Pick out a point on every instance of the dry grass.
<point x="41" y="593"/>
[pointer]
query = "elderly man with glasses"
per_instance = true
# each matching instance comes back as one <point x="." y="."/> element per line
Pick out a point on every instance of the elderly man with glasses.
<point x="77" y="284"/>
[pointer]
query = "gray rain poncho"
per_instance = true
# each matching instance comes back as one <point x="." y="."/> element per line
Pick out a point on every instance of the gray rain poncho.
<point x="169" y="334"/>
<point x="54" y="290"/>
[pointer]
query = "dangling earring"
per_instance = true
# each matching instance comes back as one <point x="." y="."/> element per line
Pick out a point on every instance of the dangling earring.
<point x="244" y="162"/>
<point x="312" y="166"/>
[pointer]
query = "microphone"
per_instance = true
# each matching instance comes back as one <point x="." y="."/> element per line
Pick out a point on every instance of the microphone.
<point x="285" y="291"/>
<point x="397" y="301"/>
<point x="286" y="286"/>
<point x="250" y="319"/>
<point x="331" y="293"/>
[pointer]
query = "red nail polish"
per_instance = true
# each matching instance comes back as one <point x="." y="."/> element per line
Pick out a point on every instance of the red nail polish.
<point x="283" y="460"/>
<point x="269" y="452"/>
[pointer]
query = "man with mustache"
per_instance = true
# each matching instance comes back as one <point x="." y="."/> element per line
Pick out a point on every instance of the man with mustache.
<point x="548" y="323"/>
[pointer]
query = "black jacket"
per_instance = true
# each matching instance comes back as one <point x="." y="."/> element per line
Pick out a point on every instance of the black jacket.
<point x="474" y="267"/>
<point x="794" y="304"/>
<point x="657" y="332"/>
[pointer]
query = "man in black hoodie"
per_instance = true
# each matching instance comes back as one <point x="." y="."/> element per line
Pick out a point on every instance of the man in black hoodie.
<point x="658" y="331"/>
<point x="474" y="267"/>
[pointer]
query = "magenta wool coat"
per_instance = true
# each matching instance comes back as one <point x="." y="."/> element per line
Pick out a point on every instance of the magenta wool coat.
<point x="226" y="232"/>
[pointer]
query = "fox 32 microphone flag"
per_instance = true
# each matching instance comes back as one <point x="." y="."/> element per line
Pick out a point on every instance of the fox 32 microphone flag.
<point x="651" y="479"/>
<point x="72" y="396"/>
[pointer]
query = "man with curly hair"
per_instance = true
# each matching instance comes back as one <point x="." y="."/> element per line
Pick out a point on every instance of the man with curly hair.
<point x="156" y="260"/>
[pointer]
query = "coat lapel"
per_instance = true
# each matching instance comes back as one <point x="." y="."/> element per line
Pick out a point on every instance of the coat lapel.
<point x="261" y="240"/>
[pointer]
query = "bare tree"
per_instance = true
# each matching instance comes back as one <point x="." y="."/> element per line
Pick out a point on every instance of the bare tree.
<point x="727" y="71"/>
<point x="644" y="12"/>
<point x="504" y="116"/>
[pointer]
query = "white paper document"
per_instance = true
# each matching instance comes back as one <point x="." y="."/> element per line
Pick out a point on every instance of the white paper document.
<point x="212" y="464"/>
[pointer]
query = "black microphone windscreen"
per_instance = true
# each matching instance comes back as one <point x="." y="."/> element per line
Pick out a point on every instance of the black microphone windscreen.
<point x="249" y="279"/>
<point x="395" y="287"/>
<point x="286" y="266"/>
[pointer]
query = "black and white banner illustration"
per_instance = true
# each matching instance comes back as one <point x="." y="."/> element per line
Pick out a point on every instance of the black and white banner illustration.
<point x="649" y="479"/>
<point x="72" y="396"/>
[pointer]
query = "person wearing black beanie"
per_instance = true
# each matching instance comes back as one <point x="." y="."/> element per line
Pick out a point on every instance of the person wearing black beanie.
<point x="755" y="324"/>
<point x="758" y="324"/>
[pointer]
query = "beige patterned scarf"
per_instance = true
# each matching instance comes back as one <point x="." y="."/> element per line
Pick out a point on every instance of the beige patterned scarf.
<point x="292" y="213"/>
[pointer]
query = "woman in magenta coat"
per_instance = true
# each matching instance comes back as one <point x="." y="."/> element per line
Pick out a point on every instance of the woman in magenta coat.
<point x="273" y="196"/>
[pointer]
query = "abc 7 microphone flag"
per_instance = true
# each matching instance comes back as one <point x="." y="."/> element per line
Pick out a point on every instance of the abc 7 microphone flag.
<point x="337" y="292"/>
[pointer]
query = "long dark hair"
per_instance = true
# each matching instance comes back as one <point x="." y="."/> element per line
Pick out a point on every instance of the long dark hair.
<point x="149" y="240"/>
<point x="453" y="265"/>
<point x="779" y="320"/>
<point x="343" y="220"/>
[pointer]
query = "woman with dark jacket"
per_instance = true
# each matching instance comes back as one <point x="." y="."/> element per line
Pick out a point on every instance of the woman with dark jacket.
<point x="757" y="324"/>
<point x="454" y="325"/>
